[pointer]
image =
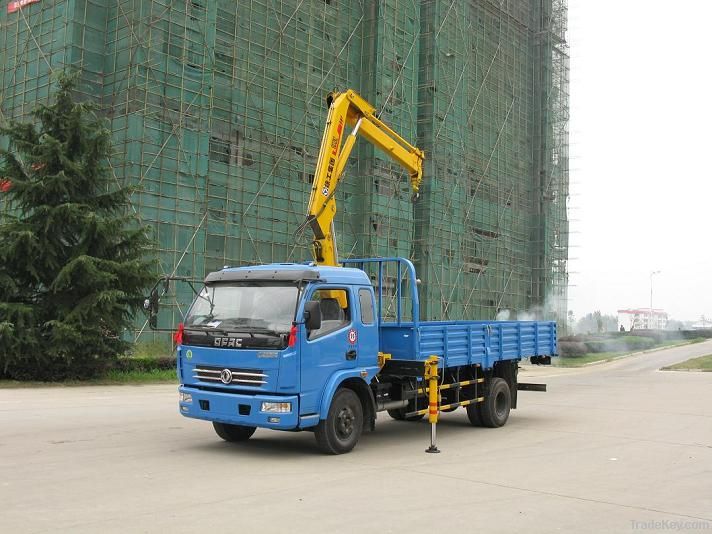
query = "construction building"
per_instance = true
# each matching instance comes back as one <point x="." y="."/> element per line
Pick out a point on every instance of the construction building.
<point x="217" y="109"/>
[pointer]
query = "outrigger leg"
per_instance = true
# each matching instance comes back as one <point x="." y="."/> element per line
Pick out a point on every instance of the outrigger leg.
<point x="431" y="375"/>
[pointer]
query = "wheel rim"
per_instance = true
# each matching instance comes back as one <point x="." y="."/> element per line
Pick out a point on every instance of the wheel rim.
<point x="345" y="423"/>
<point x="500" y="404"/>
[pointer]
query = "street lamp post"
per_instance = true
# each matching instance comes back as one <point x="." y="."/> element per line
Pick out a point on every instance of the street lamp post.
<point x="650" y="321"/>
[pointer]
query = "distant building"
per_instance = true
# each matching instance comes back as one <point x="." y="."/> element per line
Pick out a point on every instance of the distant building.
<point x="642" y="319"/>
<point x="702" y="324"/>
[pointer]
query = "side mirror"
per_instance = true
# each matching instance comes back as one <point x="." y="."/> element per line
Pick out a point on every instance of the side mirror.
<point x="151" y="304"/>
<point x="312" y="315"/>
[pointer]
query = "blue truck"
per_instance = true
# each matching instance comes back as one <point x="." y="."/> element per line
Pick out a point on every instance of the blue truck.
<point x="270" y="346"/>
<point x="326" y="345"/>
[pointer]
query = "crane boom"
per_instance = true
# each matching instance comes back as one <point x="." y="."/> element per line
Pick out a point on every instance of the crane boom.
<point x="349" y="109"/>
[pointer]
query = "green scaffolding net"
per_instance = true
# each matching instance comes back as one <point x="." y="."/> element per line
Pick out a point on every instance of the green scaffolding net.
<point x="217" y="109"/>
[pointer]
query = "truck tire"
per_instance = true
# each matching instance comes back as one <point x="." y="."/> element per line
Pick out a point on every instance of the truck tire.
<point x="473" y="414"/>
<point x="233" y="432"/>
<point x="342" y="428"/>
<point x="494" y="410"/>
<point x="399" y="415"/>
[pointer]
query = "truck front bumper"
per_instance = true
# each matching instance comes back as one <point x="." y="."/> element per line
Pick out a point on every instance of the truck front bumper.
<point x="238" y="409"/>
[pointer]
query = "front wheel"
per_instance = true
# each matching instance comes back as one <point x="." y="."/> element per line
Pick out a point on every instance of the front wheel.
<point x="233" y="432"/>
<point x="341" y="429"/>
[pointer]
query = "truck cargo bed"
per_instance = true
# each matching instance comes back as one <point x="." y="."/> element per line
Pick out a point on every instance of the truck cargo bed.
<point x="469" y="342"/>
<point x="406" y="337"/>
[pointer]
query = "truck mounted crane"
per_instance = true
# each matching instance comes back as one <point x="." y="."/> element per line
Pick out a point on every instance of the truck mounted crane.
<point x="350" y="109"/>
<point x="307" y="346"/>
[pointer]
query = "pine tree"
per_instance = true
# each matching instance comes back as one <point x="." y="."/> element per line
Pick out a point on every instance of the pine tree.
<point x="73" y="262"/>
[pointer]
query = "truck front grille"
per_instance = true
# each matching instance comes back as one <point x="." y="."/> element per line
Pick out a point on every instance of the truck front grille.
<point x="230" y="375"/>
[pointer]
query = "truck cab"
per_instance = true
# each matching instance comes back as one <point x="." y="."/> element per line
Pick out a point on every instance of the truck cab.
<point x="267" y="346"/>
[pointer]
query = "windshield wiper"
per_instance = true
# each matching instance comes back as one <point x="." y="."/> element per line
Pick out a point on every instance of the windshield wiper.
<point x="249" y="330"/>
<point x="236" y="320"/>
<point x="205" y="328"/>
<point x="258" y="330"/>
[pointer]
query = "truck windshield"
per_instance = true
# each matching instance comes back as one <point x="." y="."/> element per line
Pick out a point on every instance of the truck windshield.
<point x="244" y="306"/>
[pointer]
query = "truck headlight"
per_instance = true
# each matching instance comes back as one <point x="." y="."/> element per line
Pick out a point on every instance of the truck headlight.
<point x="276" y="407"/>
<point x="185" y="397"/>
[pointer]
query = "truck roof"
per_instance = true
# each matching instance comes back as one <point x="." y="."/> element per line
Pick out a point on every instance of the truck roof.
<point x="290" y="272"/>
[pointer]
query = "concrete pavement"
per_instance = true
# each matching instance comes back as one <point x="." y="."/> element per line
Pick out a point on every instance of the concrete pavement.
<point x="618" y="447"/>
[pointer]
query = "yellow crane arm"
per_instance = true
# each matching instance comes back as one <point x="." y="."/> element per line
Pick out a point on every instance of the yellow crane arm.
<point x="349" y="109"/>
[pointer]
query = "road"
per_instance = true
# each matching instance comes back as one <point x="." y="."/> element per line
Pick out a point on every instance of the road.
<point x="618" y="447"/>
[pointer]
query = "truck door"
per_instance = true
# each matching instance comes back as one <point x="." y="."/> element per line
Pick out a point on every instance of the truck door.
<point x="331" y="348"/>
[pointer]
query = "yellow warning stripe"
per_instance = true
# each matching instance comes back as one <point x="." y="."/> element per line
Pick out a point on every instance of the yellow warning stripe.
<point x="461" y="403"/>
<point x="447" y="406"/>
<point x="453" y="385"/>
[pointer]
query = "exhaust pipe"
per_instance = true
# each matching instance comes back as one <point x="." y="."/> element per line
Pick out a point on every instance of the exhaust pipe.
<point x="391" y="405"/>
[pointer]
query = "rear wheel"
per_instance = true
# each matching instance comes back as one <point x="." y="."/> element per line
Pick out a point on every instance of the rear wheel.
<point x="494" y="411"/>
<point x="342" y="428"/>
<point x="233" y="432"/>
<point x="473" y="414"/>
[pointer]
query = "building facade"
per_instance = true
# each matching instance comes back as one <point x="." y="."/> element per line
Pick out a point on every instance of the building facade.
<point x="217" y="109"/>
<point x="642" y="319"/>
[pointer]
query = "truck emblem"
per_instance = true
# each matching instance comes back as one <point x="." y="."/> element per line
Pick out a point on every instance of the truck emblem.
<point x="229" y="342"/>
<point x="226" y="376"/>
<point x="352" y="336"/>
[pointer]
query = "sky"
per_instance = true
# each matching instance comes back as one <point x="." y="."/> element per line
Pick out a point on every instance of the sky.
<point x="641" y="156"/>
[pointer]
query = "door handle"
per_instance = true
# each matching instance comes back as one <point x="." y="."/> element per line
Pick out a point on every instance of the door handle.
<point x="351" y="355"/>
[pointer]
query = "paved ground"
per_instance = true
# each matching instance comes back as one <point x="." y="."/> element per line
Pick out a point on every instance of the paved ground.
<point x="618" y="447"/>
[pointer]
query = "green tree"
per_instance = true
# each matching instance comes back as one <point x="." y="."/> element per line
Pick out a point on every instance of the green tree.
<point x="596" y="322"/>
<point x="570" y="322"/>
<point x="73" y="262"/>
<point x="599" y="321"/>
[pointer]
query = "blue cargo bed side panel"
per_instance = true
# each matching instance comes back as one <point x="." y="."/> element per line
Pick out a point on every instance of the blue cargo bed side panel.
<point x="470" y="342"/>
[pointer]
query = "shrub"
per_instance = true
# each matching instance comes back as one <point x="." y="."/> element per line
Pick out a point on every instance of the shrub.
<point x="574" y="338"/>
<point x="157" y="348"/>
<point x="693" y="334"/>
<point x="572" y="349"/>
<point x="144" y="364"/>
<point x="604" y="346"/>
<point x="639" y="342"/>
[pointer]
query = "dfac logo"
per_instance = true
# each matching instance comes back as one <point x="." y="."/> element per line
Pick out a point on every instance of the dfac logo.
<point x="226" y="376"/>
<point x="352" y="336"/>
<point x="229" y="342"/>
